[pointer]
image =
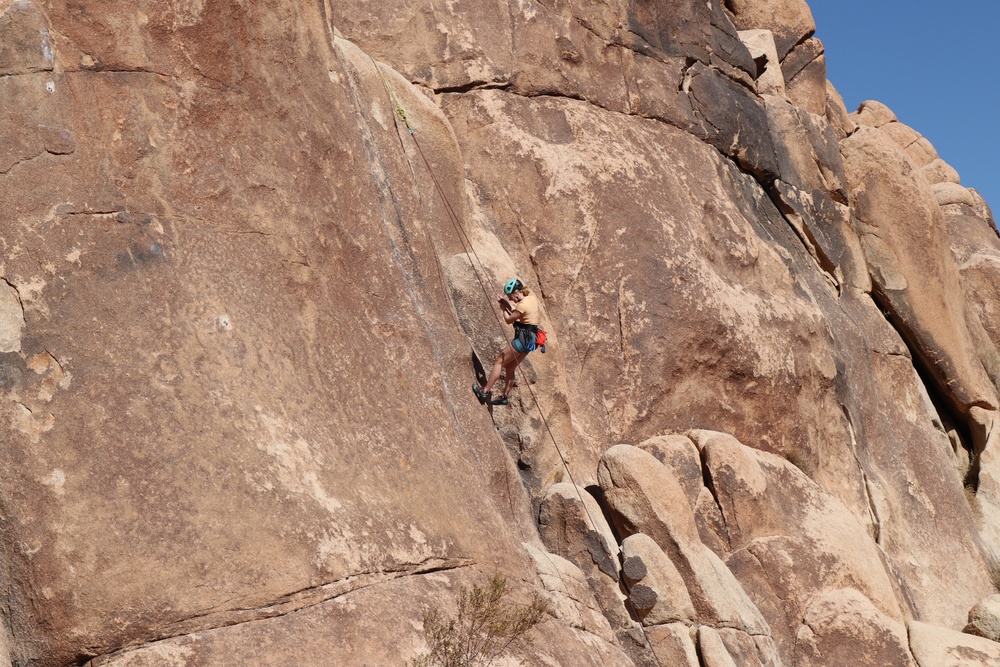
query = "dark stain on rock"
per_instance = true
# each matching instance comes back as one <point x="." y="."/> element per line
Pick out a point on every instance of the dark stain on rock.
<point x="12" y="370"/>
<point x="140" y="255"/>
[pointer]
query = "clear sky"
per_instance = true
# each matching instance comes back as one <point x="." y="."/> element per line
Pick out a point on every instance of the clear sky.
<point x="933" y="64"/>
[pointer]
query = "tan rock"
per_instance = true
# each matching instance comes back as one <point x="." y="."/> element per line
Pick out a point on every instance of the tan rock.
<point x="921" y="152"/>
<point x="903" y="135"/>
<point x="984" y="619"/>
<point x="902" y="234"/>
<point x="25" y="44"/>
<point x="760" y="43"/>
<point x="578" y="532"/>
<point x="304" y="638"/>
<point x="762" y="495"/>
<point x="11" y="319"/>
<point x="807" y="150"/>
<point x="645" y="497"/>
<point x="873" y="114"/>
<point x="711" y="524"/>
<point x="669" y="602"/>
<point x="939" y="171"/>
<point x="680" y="455"/>
<point x="934" y="646"/>
<point x="567" y="530"/>
<point x="827" y="228"/>
<point x="951" y="193"/>
<point x="982" y="209"/>
<point x="750" y="651"/>
<point x="569" y="594"/>
<point x="672" y="645"/>
<point x="837" y="113"/>
<point x="804" y="69"/>
<point x="197" y="308"/>
<point x="842" y="627"/>
<point x="788" y="20"/>
<point x="713" y="649"/>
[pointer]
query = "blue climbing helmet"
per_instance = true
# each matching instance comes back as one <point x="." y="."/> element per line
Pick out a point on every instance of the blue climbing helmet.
<point x="513" y="285"/>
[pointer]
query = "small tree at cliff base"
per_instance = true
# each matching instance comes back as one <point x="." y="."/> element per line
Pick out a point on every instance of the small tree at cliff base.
<point x="485" y="627"/>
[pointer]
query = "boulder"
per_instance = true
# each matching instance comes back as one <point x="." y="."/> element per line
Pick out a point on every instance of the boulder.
<point x="644" y="497"/>
<point x="904" y="240"/>
<point x="669" y="601"/>
<point x="788" y="20"/>
<point x="680" y="455"/>
<point x="672" y="645"/>
<point x="984" y="619"/>
<point x="569" y="595"/>
<point x="939" y="171"/>
<point x="842" y="627"/>
<point x="934" y="646"/>
<point x="760" y="43"/>
<point x="873" y="114"/>
<point x="790" y="540"/>
<point x="804" y="69"/>
<point x="951" y="193"/>
<point x="568" y="530"/>
<point x="904" y="135"/>
<point x="572" y="525"/>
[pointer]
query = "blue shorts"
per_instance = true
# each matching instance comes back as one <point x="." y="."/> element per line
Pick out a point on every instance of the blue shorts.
<point x="516" y="344"/>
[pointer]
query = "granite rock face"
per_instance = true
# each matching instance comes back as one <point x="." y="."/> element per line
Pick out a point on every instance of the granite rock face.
<point x="249" y="253"/>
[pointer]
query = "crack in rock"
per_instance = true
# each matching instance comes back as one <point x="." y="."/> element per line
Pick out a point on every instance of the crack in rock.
<point x="293" y="602"/>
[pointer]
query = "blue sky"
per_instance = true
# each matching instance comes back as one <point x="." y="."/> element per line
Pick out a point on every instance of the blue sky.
<point x="933" y="63"/>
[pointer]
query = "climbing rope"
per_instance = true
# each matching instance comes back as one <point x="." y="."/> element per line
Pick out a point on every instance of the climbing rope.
<point x="471" y="253"/>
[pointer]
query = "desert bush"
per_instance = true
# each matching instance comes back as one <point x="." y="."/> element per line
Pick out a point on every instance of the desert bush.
<point x="485" y="627"/>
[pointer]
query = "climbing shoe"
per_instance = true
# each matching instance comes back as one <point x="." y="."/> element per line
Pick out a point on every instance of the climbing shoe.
<point x="500" y="401"/>
<point x="483" y="396"/>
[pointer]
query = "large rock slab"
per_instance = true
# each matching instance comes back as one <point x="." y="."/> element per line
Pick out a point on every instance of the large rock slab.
<point x="842" y="627"/>
<point x="591" y="204"/>
<point x="934" y="646"/>
<point x="305" y="638"/>
<point x="904" y="240"/>
<point x="184" y="405"/>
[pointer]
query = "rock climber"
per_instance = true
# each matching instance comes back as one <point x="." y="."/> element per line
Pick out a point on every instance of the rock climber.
<point x="525" y="316"/>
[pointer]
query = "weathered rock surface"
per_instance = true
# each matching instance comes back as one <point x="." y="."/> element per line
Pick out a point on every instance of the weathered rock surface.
<point x="843" y="627"/>
<point x="933" y="646"/>
<point x="237" y="319"/>
<point x="984" y="619"/>
<point x="664" y="598"/>
<point x="892" y="203"/>
<point x="790" y="21"/>
<point x="645" y="497"/>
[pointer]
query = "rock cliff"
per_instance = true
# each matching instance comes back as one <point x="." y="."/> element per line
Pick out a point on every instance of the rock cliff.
<point x="248" y="257"/>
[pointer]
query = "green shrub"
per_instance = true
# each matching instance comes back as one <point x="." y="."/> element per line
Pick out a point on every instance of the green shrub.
<point x="485" y="627"/>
